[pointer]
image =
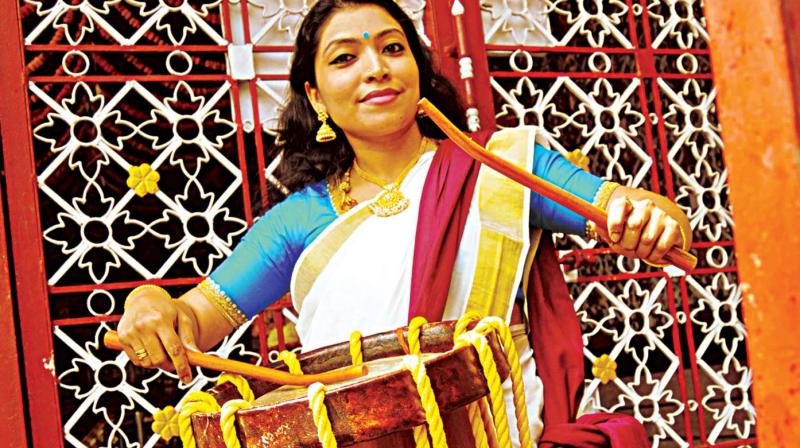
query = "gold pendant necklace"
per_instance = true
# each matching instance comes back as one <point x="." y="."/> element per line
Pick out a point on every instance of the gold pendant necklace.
<point x="391" y="200"/>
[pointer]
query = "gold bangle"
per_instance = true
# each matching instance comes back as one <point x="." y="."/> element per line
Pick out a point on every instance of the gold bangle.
<point x="140" y="288"/>
<point x="655" y="265"/>
<point x="600" y="200"/>
<point x="603" y="194"/>
<point x="222" y="302"/>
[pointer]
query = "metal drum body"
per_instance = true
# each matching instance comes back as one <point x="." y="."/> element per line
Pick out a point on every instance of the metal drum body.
<point x="378" y="410"/>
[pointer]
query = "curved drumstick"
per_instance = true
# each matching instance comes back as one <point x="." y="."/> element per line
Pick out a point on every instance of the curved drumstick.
<point x="111" y="340"/>
<point x="675" y="256"/>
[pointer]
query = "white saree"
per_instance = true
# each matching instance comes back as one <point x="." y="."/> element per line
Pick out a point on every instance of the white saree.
<point x="357" y="274"/>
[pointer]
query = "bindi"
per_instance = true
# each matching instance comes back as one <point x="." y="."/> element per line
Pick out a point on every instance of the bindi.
<point x="365" y="35"/>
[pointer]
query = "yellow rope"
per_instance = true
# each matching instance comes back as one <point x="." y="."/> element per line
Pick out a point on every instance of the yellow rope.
<point x="241" y="385"/>
<point x="414" y="329"/>
<point x="476" y="419"/>
<point x="421" y="437"/>
<point x="480" y="343"/>
<point x="316" y="401"/>
<point x="500" y="327"/>
<point x="486" y="416"/>
<point x="417" y="368"/>
<point x="476" y="424"/>
<point x="355" y="348"/>
<point x="463" y="321"/>
<point x="290" y="359"/>
<point x="227" y="421"/>
<point x="194" y="402"/>
<point x="197" y="401"/>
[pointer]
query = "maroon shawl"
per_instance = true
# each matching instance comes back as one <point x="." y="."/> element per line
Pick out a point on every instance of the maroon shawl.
<point x="554" y="328"/>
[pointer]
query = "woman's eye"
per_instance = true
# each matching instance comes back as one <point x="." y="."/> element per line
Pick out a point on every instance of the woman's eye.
<point x="342" y="59"/>
<point x="394" y="48"/>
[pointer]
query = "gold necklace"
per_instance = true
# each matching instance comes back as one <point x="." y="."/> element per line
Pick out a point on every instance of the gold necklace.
<point x="391" y="200"/>
<point x="340" y="197"/>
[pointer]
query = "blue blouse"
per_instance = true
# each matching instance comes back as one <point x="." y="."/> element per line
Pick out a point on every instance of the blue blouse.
<point x="259" y="270"/>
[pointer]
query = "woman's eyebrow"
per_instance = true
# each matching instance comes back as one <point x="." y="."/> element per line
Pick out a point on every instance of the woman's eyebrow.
<point x="352" y="40"/>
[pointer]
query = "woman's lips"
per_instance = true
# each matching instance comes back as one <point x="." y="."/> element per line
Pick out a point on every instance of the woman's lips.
<point x="382" y="99"/>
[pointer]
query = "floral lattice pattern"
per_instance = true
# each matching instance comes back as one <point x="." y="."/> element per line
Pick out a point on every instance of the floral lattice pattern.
<point x="195" y="135"/>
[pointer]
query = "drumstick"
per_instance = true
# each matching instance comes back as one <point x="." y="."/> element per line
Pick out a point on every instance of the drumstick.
<point x="111" y="340"/>
<point x="675" y="256"/>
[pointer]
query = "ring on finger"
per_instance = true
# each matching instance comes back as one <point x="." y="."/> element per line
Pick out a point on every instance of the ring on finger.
<point x="141" y="354"/>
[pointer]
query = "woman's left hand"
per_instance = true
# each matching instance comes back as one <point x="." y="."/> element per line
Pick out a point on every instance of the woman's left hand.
<point x="638" y="228"/>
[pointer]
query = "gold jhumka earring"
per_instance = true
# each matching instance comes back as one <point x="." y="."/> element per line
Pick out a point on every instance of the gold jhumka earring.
<point x="325" y="132"/>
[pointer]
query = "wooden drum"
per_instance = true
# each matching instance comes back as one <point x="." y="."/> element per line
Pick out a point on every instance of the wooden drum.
<point x="380" y="409"/>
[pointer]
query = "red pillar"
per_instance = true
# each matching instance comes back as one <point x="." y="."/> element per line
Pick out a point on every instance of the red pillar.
<point x="12" y="418"/>
<point x="755" y="70"/>
<point x="36" y="334"/>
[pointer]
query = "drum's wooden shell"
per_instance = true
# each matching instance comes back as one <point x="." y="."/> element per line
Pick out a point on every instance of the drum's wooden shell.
<point x="364" y="409"/>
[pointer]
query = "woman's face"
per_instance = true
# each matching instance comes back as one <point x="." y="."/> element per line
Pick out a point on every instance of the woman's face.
<point x="367" y="77"/>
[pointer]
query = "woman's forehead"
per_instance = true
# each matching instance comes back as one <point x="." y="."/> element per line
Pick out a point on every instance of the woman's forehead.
<point x="356" y="22"/>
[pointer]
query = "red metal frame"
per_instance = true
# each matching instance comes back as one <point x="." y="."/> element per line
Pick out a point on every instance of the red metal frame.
<point x="26" y="234"/>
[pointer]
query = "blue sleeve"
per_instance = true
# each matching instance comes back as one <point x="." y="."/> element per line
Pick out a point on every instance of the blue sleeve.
<point x="554" y="168"/>
<point x="259" y="270"/>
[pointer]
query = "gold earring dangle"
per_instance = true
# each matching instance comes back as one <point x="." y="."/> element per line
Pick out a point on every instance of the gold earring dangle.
<point x="325" y="132"/>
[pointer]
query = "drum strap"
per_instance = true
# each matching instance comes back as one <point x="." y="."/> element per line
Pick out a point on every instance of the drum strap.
<point x="501" y="329"/>
<point x="433" y="418"/>
<point x="316" y="401"/>
<point x="498" y="403"/>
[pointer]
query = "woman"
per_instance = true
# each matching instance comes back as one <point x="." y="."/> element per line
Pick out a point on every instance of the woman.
<point x="382" y="226"/>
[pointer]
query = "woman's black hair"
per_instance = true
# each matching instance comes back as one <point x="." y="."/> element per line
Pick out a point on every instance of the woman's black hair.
<point x="304" y="159"/>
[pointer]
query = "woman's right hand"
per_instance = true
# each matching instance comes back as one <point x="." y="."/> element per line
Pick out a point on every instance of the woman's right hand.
<point x="156" y="331"/>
